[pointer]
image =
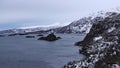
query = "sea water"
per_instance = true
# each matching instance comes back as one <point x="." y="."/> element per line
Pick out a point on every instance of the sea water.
<point x="21" y="52"/>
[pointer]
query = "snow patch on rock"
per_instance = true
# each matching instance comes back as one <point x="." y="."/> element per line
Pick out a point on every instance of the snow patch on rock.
<point x="111" y="29"/>
<point x="97" y="38"/>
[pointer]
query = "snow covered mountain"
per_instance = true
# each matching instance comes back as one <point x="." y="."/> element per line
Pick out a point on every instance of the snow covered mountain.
<point x="27" y="30"/>
<point x="82" y="25"/>
<point x="31" y="29"/>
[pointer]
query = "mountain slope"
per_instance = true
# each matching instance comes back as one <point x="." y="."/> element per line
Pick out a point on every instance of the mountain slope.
<point x="101" y="45"/>
<point x="28" y="30"/>
<point x="80" y="26"/>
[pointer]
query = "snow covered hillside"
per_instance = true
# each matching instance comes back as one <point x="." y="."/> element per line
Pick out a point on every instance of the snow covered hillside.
<point x="41" y="28"/>
<point x="82" y="25"/>
<point x="101" y="46"/>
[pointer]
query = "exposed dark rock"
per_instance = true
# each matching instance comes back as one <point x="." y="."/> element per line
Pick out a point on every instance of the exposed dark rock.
<point x="101" y="45"/>
<point x="50" y="37"/>
<point x="12" y="34"/>
<point x="23" y="34"/>
<point x="2" y="35"/>
<point x="30" y="36"/>
<point x="59" y="38"/>
<point x="40" y="35"/>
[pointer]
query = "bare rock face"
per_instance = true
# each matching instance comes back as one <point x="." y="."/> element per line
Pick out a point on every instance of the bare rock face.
<point x="50" y="37"/>
<point x="101" y="45"/>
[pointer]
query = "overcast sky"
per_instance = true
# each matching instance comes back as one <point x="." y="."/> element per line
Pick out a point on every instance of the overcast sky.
<point x="22" y="13"/>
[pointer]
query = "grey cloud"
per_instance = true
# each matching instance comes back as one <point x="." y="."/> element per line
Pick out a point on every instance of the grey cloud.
<point x="51" y="11"/>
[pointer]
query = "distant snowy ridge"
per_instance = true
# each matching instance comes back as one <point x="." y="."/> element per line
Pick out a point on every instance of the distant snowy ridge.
<point x="33" y="28"/>
<point x="54" y="25"/>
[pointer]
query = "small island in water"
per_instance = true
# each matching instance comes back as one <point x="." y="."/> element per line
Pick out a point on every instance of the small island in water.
<point x="50" y="37"/>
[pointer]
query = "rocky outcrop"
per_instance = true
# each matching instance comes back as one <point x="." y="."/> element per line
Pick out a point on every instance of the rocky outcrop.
<point x="30" y="36"/>
<point x="40" y="35"/>
<point x="12" y="34"/>
<point x="101" y="45"/>
<point x="2" y="35"/>
<point x="50" y="37"/>
<point x="23" y="34"/>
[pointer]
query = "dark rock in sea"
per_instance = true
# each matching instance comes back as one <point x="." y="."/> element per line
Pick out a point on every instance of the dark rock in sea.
<point x="59" y="38"/>
<point x="101" y="46"/>
<point x="2" y="35"/>
<point x="23" y="34"/>
<point x="50" y="37"/>
<point x="30" y="36"/>
<point x="12" y="34"/>
<point x="40" y="35"/>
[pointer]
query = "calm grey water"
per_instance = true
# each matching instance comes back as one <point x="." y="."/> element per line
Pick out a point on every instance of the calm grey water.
<point x="21" y="52"/>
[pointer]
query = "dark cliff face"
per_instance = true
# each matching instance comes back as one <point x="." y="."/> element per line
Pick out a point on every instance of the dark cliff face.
<point x="109" y="26"/>
<point x="101" y="45"/>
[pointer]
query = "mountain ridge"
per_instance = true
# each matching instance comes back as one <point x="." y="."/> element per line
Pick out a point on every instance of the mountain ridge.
<point x="82" y="25"/>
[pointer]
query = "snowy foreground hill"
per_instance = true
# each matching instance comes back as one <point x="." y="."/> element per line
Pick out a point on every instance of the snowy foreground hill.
<point x="101" y="46"/>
